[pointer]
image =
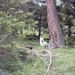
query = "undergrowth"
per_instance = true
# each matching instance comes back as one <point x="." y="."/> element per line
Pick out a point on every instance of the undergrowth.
<point x="18" y="62"/>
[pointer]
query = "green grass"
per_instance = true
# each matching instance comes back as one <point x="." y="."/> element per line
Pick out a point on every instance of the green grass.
<point x="26" y="64"/>
<point x="64" y="63"/>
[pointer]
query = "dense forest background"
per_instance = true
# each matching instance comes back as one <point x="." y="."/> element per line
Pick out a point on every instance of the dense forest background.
<point x="22" y="19"/>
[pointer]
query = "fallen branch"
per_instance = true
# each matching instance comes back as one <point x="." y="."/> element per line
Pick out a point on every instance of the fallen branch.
<point x="50" y="61"/>
<point x="40" y="55"/>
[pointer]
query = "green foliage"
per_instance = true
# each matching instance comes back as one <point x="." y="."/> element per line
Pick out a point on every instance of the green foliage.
<point x="15" y="20"/>
<point x="66" y="18"/>
<point x="38" y="15"/>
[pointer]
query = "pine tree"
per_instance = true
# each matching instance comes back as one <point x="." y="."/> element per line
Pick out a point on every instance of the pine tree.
<point x="56" y="37"/>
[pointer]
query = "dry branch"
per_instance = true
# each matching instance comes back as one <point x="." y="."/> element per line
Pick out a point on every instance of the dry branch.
<point x="50" y="61"/>
<point x="41" y="54"/>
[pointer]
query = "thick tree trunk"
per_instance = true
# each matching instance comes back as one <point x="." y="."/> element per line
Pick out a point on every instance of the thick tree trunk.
<point x="56" y="37"/>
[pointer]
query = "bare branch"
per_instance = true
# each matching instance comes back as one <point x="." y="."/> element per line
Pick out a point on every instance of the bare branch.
<point x="50" y="61"/>
<point x="41" y="54"/>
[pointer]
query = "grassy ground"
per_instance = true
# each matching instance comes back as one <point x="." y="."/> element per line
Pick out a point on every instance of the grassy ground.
<point x="26" y="64"/>
<point x="64" y="63"/>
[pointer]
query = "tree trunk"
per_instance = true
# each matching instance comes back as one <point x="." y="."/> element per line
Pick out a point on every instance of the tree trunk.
<point x="21" y="31"/>
<point x="69" y="33"/>
<point x="56" y="37"/>
<point x="39" y="27"/>
<point x="39" y="31"/>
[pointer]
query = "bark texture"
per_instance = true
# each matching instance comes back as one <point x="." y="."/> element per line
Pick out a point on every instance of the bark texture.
<point x="56" y="37"/>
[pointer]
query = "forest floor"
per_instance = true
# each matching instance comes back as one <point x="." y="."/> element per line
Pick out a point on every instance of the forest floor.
<point x="16" y="61"/>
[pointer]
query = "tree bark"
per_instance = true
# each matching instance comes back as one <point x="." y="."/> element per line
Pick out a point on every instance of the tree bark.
<point x="39" y="27"/>
<point x="69" y="32"/>
<point x="56" y="37"/>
